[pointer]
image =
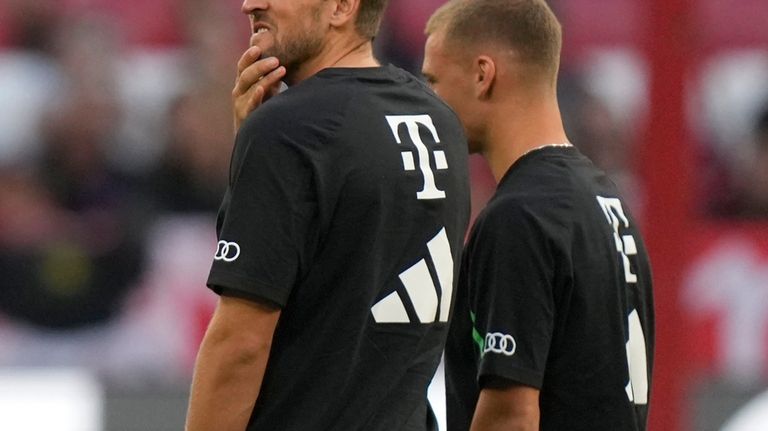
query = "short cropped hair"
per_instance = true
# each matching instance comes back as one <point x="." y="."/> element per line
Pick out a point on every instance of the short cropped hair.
<point x="528" y="27"/>
<point x="369" y="17"/>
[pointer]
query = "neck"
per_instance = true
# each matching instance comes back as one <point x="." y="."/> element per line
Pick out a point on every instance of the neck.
<point x="337" y="52"/>
<point x="517" y="128"/>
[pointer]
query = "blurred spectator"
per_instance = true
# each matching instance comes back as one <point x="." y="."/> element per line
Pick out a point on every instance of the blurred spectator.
<point x="27" y="82"/>
<point x="71" y="243"/>
<point x="28" y="24"/>
<point x="730" y="96"/>
<point x="595" y="130"/>
<point x="216" y="34"/>
<point x="61" y="269"/>
<point x="27" y="75"/>
<point x="749" y="195"/>
<point x="192" y="175"/>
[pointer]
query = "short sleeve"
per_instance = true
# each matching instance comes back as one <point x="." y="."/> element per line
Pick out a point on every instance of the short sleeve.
<point x="267" y="221"/>
<point x="511" y="271"/>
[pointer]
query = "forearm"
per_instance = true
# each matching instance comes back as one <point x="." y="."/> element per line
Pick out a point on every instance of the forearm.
<point x="225" y="386"/>
<point x="484" y="422"/>
<point x="230" y="366"/>
<point x="514" y="409"/>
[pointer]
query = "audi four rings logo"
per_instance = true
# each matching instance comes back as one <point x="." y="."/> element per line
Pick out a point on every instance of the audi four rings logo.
<point x="500" y="343"/>
<point x="227" y="251"/>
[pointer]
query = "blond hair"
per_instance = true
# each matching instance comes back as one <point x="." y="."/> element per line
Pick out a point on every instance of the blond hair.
<point x="528" y="27"/>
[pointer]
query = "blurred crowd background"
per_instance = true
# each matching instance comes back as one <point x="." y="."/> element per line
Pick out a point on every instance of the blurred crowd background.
<point x="115" y="137"/>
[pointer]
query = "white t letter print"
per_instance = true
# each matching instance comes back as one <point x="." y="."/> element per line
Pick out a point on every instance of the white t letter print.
<point x="430" y="190"/>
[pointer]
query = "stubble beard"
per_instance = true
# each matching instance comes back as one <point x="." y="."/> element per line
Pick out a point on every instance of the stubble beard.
<point x="299" y="48"/>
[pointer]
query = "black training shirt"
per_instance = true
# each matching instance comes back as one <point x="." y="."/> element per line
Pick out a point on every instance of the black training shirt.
<point x="347" y="207"/>
<point x="555" y="293"/>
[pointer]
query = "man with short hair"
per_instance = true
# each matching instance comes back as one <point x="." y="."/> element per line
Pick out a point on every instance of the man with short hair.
<point x="339" y="234"/>
<point x="553" y="323"/>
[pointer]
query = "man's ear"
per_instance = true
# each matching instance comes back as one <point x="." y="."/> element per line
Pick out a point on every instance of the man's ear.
<point x="344" y="12"/>
<point x="485" y="76"/>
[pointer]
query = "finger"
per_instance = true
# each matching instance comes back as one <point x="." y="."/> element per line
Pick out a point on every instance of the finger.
<point x="271" y="81"/>
<point x="247" y="103"/>
<point x="255" y="72"/>
<point x="257" y="97"/>
<point x="250" y="55"/>
<point x="266" y="88"/>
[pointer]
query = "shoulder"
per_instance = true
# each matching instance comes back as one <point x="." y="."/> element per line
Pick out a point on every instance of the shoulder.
<point x="306" y="103"/>
<point x="556" y="182"/>
<point x="417" y="89"/>
<point x="509" y="217"/>
<point x="528" y="204"/>
<point x="300" y="118"/>
<point x="535" y="200"/>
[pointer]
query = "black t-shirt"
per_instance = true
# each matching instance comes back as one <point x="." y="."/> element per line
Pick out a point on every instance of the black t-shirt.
<point x="347" y="208"/>
<point x="555" y="293"/>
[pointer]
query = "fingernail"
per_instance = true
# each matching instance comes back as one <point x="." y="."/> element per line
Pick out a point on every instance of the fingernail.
<point x="272" y="61"/>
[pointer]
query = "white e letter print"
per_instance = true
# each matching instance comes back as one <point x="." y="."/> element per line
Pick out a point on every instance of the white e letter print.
<point x="637" y="360"/>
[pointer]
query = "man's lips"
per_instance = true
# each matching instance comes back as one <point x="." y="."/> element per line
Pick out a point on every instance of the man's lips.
<point x="259" y="29"/>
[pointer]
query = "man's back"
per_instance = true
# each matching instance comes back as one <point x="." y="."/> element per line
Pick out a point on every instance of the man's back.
<point x="559" y="295"/>
<point x="348" y="206"/>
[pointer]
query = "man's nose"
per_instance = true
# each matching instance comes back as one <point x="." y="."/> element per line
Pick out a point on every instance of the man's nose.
<point x="250" y="6"/>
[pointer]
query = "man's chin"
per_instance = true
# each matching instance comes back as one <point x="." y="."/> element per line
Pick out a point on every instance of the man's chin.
<point x="265" y="42"/>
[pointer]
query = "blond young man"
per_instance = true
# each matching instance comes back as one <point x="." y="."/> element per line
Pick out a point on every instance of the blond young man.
<point x="553" y="322"/>
<point x="346" y="210"/>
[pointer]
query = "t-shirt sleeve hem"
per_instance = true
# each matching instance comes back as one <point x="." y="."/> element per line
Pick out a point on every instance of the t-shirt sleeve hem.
<point x="515" y="375"/>
<point x="244" y="287"/>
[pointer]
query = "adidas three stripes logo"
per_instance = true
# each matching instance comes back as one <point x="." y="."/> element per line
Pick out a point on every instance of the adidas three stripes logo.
<point x="427" y="288"/>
